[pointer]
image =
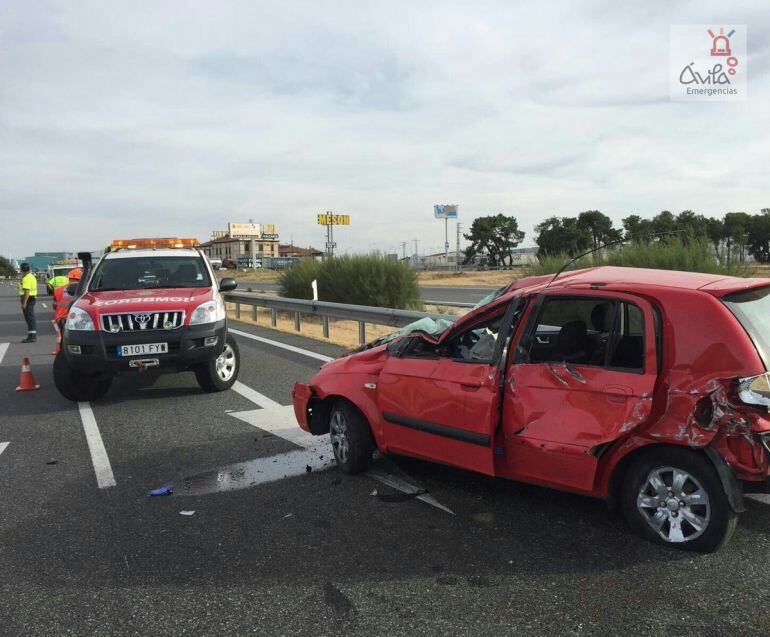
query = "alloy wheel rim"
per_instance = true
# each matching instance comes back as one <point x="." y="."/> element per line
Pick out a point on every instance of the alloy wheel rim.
<point x="225" y="363"/>
<point x="674" y="504"/>
<point x="338" y="433"/>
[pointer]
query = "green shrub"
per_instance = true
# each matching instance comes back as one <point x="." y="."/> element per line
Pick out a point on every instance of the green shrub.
<point x="668" y="253"/>
<point x="295" y="282"/>
<point x="357" y="280"/>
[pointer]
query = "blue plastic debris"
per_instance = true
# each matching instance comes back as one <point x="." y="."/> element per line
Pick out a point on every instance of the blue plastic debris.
<point x="167" y="490"/>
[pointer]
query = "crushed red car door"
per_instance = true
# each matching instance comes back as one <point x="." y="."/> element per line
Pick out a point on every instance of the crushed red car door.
<point x="582" y="376"/>
<point x="442" y="402"/>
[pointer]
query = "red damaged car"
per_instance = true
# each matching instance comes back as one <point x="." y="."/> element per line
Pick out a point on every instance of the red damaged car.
<point x="648" y="388"/>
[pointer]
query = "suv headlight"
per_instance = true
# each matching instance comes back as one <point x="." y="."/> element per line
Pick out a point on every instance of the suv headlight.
<point x="79" y="319"/>
<point x="208" y="312"/>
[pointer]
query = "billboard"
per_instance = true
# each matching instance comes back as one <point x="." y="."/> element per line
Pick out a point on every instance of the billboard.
<point x="329" y="219"/>
<point x="244" y="230"/>
<point x="252" y="230"/>
<point x="269" y="231"/>
<point x="445" y="211"/>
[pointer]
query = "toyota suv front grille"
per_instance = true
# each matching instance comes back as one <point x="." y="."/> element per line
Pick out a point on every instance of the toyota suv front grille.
<point x="142" y="321"/>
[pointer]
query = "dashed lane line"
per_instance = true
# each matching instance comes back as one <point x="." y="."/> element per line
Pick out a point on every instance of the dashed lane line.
<point x="4" y="446"/>
<point x="291" y="348"/>
<point x="3" y="349"/>
<point x="99" y="458"/>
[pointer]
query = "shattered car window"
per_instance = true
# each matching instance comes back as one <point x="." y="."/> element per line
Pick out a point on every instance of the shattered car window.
<point x="752" y="309"/>
<point x="427" y="325"/>
<point x="491" y="297"/>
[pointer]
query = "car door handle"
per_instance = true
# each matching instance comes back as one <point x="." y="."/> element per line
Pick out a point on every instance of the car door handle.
<point x="542" y="340"/>
<point x="470" y="384"/>
<point x="617" y="393"/>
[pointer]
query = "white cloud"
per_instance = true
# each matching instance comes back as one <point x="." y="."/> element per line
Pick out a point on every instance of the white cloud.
<point x="175" y="117"/>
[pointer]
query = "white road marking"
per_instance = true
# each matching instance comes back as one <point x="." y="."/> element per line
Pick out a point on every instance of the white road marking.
<point x="254" y="396"/>
<point x="99" y="458"/>
<point x="291" y="348"/>
<point x="44" y="305"/>
<point x="4" y="446"/>
<point x="3" y="349"/>
<point x="764" y="498"/>
<point x="317" y="454"/>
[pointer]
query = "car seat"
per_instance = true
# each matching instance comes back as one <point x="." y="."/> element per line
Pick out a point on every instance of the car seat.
<point x="572" y="343"/>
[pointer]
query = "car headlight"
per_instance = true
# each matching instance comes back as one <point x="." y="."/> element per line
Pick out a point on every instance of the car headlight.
<point x="208" y="312"/>
<point x="79" y="319"/>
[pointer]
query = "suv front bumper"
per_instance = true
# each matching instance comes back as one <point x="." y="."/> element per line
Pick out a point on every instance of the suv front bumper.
<point x="186" y="348"/>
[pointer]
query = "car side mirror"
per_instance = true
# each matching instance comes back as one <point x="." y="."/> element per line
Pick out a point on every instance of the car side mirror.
<point x="227" y="284"/>
<point x="72" y="289"/>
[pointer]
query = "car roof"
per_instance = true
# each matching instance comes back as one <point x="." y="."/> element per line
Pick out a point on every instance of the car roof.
<point x="168" y="252"/>
<point x="620" y="276"/>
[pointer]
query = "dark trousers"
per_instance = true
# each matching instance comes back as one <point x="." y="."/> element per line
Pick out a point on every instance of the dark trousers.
<point x="29" y="316"/>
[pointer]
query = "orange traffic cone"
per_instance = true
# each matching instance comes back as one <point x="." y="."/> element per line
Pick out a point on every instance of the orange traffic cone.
<point x="27" y="381"/>
<point x="58" y="338"/>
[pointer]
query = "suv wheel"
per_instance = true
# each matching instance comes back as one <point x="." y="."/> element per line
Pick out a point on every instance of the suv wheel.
<point x="221" y="372"/>
<point x="351" y="438"/>
<point x="674" y="497"/>
<point x="75" y="385"/>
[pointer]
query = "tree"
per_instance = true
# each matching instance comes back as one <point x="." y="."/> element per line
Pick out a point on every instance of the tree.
<point x="561" y="235"/>
<point x="736" y="228"/>
<point x="599" y="226"/>
<point x="6" y="269"/>
<point x="758" y="233"/>
<point x="715" y="230"/>
<point x="693" y="226"/>
<point x="636" y="228"/>
<point x="664" y="221"/>
<point x="497" y="235"/>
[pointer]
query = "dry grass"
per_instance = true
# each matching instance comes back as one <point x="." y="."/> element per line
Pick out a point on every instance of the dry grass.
<point x="343" y="333"/>
<point x="488" y="277"/>
<point x="265" y="276"/>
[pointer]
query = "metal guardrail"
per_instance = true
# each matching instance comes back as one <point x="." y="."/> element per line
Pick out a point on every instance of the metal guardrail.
<point x="363" y="314"/>
<point x="451" y="303"/>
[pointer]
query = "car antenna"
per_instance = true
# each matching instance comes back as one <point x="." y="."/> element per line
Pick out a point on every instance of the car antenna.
<point x="607" y="245"/>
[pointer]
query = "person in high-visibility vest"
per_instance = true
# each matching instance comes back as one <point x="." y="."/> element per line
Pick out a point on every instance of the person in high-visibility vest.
<point x="28" y="296"/>
<point x="56" y="282"/>
<point x="61" y="302"/>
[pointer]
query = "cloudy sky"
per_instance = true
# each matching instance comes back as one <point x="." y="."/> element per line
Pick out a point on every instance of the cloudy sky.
<point x="171" y="118"/>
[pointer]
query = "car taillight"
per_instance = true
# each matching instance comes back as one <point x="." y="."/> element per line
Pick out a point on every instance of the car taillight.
<point x="755" y="391"/>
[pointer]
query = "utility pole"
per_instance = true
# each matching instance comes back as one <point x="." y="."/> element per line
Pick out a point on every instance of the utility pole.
<point x="403" y="248"/>
<point x="416" y="253"/>
<point x="457" y="253"/>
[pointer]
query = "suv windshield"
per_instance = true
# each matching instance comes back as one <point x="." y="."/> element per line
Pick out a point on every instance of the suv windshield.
<point x="143" y="273"/>
<point x="752" y="309"/>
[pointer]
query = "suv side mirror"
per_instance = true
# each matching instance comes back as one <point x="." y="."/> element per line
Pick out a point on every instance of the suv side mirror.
<point x="72" y="289"/>
<point x="227" y="284"/>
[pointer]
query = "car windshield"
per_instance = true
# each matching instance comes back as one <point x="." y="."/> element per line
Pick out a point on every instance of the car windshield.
<point x="752" y="309"/>
<point x="143" y="273"/>
<point x="491" y="297"/>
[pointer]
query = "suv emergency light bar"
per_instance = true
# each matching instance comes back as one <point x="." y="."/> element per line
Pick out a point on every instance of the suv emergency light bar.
<point x="166" y="242"/>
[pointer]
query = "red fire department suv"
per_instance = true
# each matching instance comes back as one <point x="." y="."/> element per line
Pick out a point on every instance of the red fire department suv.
<point x="148" y="303"/>
<point x="645" y="387"/>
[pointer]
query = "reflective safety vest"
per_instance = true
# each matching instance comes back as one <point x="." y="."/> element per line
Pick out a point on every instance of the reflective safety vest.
<point x="61" y="301"/>
<point x="58" y="281"/>
<point x="28" y="282"/>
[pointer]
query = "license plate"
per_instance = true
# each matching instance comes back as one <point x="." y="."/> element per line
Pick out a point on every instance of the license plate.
<point x="141" y="350"/>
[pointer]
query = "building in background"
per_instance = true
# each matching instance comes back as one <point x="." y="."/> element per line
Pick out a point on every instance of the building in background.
<point x="300" y="254"/>
<point x="40" y="261"/>
<point x="249" y="245"/>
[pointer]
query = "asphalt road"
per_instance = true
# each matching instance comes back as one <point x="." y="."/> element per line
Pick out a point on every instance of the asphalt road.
<point x="442" y="294"/>
<point x="317" y="553"/>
